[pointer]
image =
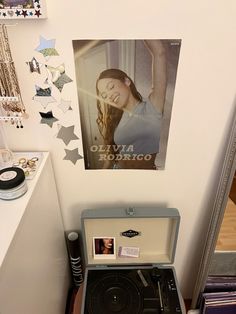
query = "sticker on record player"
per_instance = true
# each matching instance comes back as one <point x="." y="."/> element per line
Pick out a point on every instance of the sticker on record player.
<point x="104" y="247"/>
<point x="130" y="233"/>
<point x="128" y="251"/>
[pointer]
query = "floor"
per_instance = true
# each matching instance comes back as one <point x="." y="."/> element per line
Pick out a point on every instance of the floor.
<point x="227" y="236"/>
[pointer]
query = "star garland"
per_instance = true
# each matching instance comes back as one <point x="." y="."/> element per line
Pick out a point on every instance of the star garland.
<point x="56" y="79"/>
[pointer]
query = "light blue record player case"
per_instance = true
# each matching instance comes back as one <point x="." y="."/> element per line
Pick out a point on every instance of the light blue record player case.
<point x="154" y="231"/>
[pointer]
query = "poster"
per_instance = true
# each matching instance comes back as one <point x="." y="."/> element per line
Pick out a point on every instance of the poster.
<point x="125" y="95"/>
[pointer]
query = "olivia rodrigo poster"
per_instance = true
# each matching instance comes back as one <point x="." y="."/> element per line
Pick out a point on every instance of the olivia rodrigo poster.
<point x="125" y="93"/>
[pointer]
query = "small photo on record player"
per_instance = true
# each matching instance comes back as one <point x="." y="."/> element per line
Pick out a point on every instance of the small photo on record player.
<point x="104" y="247"/>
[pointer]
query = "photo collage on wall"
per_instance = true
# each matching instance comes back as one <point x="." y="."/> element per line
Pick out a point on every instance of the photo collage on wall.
<point x="22" y="9"/>
<point x="125" y="93"/>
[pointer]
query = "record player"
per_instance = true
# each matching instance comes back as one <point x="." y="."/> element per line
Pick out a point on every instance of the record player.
<point x="128" y="256"/>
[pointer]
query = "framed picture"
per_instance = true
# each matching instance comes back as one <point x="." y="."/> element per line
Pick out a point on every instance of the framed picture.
<point x="104" y="247"/>
<point x="22" y="9"/>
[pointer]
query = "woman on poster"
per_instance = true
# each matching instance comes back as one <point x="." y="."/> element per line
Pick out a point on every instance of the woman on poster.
<point x="130" y="125"/>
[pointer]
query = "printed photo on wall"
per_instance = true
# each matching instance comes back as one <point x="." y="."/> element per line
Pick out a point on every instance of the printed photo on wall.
<point x="125" y="94"/>
<point x="104" y="247"/>
<point x="22" y="9"/>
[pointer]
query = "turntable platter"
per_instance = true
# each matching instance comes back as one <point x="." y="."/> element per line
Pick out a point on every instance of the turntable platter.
<point x="114" y="293"/>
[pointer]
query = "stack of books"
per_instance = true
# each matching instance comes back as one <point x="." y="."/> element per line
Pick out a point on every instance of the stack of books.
<point x="219" y="296"/>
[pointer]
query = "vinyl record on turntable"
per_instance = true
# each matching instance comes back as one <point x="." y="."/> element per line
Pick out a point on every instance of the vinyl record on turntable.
<point x="114" y="293"/>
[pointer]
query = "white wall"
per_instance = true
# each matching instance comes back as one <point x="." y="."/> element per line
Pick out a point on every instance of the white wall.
<point x="202" y="109"/>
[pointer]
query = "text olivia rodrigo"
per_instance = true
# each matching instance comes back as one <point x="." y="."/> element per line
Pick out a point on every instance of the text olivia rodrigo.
<point x="121" y="152"/>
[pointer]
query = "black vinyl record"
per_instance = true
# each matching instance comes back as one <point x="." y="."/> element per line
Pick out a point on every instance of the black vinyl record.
<point x="114" y="293"/>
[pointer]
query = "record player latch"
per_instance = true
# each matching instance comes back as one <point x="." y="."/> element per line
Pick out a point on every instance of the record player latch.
<point x="130" y="211"/>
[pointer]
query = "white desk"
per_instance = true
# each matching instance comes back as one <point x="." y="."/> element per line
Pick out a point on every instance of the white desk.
<point x="34" y="276"/>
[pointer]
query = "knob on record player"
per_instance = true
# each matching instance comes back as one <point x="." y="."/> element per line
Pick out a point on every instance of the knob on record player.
<point x="155" y="274"/>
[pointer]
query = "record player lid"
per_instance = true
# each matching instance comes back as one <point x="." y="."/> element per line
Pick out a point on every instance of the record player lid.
<point x="137" y="235"/>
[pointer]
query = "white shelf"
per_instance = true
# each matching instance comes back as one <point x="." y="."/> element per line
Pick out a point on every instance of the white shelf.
<point x="34" y="266"/>
<point x="11" y="212"/>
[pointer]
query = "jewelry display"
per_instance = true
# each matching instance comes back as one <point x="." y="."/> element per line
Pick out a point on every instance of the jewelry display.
<point x="27" y="165"/>
<point x="12" y="108"/>
<point x="29" y="162"/>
